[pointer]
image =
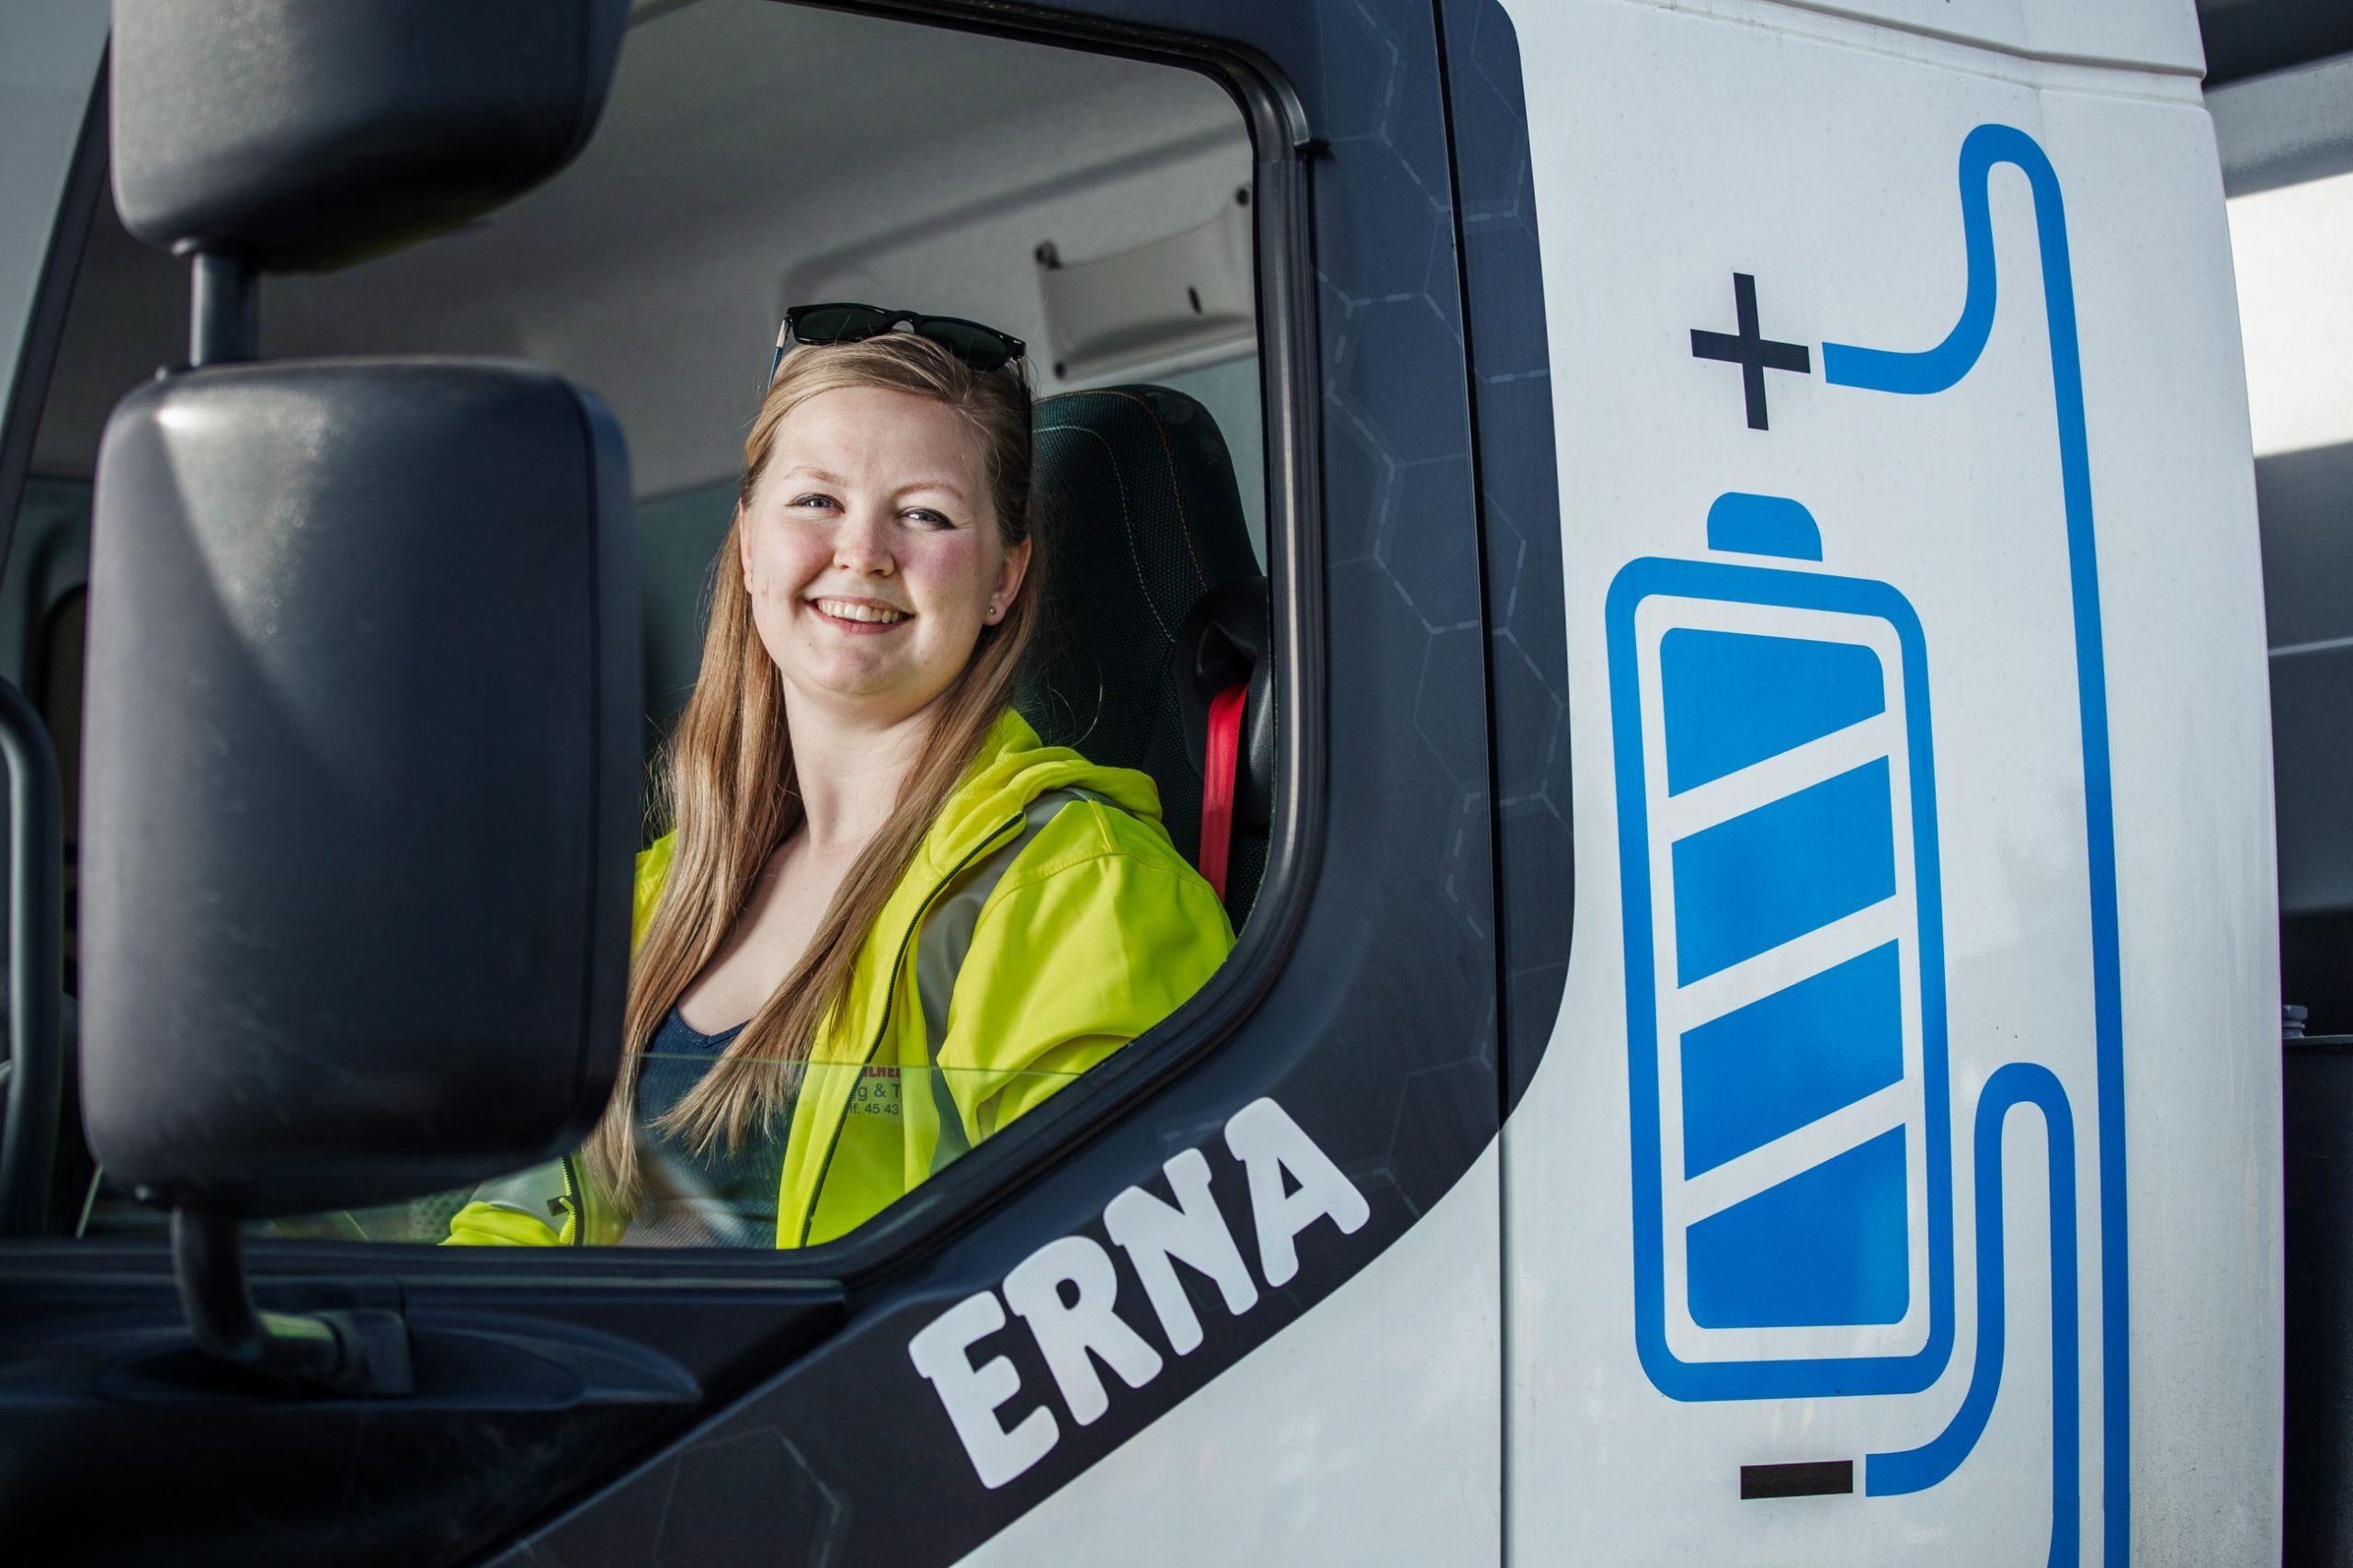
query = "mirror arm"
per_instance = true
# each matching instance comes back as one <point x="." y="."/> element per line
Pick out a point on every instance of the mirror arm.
<point x="36" y="1080"/>
<point x="225" y="309"/>
<point x="361" y="1351"/>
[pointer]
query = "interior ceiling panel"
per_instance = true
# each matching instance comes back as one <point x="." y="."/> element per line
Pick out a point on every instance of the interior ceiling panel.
<point x="745" y="131"/>
<point x="726" y="105"/>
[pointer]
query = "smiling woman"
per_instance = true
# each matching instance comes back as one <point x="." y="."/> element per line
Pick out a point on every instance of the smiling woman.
<point x="871" y="553"/>
<point x="889" y="919"/>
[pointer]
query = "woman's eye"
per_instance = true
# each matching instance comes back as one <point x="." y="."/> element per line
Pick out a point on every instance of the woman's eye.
<point x="812" y="500"/>
<point x="929" y="518"/>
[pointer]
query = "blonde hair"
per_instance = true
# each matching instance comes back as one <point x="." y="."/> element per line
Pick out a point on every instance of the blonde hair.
<point x="730" y="785"/>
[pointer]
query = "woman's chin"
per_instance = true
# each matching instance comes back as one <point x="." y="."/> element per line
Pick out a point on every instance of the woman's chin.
<point x="867" y="691"/>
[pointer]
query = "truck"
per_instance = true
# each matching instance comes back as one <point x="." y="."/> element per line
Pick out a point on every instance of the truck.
<point x="1764" y="682"/>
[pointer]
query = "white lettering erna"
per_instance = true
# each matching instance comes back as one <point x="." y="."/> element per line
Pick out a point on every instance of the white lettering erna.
<point x="1066" y="1290"/>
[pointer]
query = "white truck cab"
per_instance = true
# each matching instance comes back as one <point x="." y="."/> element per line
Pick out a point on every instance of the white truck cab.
<point x="1758" y="1041"/>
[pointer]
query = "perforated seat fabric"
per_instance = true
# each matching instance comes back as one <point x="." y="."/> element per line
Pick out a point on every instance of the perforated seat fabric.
<point x="1143" y="517"/>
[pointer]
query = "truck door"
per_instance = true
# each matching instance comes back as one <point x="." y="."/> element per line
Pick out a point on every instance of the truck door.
<point x="1910" y="1124"/>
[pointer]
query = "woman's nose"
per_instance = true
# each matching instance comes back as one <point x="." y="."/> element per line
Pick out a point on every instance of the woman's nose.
<point x="862" y="545"/>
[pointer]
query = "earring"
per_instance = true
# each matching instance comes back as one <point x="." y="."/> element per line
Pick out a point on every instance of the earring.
<point x="994" y="612"/>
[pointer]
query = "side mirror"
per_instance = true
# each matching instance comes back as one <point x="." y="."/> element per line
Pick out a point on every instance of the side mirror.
<point x="360" y="754"/>
<point x="296" y="135"/>
<point x="360" y="783"/>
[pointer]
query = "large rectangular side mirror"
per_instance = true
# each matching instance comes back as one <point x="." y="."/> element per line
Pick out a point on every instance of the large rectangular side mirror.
<point x="361" y="781"/>
<point x="360" y="777"/>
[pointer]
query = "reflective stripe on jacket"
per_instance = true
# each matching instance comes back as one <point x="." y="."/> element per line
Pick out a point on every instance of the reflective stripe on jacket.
<point x="1044" y="922"/>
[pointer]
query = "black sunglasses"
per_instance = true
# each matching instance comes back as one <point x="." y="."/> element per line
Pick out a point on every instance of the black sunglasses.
<point x="982" y="348"/>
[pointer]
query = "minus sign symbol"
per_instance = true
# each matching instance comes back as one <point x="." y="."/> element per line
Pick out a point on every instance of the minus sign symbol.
<point x="1812" y="1477"/>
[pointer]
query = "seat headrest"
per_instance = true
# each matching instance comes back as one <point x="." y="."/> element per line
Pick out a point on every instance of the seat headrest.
<point x="1144" y="518"/>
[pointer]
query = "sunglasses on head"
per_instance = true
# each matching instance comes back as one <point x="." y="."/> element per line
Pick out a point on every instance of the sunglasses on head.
<point x="982" y="348"/>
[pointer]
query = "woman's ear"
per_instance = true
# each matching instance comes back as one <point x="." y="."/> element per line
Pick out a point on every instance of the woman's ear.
<point x="1010" y="574"/>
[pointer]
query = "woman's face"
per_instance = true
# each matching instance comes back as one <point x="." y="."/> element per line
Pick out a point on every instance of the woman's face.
<point x="873" y="552"/>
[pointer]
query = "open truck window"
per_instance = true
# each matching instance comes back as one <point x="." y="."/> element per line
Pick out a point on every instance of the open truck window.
<point x="754" y="155"/>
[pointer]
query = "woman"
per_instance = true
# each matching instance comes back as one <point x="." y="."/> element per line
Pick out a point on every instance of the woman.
<point x="890" y="919"/>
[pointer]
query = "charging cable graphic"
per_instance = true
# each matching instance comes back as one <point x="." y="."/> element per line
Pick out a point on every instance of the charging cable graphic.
<point x="1920" y="374"/>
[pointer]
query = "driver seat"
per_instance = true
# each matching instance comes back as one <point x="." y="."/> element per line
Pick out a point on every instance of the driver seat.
<point x="1154" y="604"/>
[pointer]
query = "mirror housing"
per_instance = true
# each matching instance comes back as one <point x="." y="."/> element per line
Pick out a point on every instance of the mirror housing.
<point x="297" y="135"/>
<point x="361" y="780"/>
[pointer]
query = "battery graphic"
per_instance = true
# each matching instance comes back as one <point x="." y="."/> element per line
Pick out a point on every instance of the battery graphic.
<point x="1784" y="968"/>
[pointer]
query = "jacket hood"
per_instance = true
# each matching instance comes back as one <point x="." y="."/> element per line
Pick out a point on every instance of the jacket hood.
<point x="1015" y="767"/>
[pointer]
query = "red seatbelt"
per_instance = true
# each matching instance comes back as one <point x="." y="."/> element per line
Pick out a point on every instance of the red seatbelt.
<point x="1221" y="762"/>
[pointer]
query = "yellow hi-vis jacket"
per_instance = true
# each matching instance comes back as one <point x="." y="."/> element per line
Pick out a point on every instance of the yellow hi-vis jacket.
<point x="1044" y="922"/>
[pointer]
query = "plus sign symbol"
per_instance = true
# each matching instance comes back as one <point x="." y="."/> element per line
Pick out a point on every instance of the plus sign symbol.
<point x="1750" y="349"/>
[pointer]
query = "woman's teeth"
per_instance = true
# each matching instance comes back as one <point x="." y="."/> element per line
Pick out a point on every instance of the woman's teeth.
<point x="845" y="610"/>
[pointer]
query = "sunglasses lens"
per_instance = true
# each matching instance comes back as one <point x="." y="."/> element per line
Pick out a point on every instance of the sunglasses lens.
<point x="977" y="345"/>
<point x="838" y="324"/>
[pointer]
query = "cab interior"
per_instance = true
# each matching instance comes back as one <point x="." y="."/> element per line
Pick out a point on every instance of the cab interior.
<point x="755" y="154"/>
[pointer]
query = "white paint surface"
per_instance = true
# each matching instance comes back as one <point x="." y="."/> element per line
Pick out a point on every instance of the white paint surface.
<point x="2151" y="35"/>
<point x="2159" y="36"/>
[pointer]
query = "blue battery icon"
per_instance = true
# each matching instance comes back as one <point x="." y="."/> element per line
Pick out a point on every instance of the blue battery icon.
<point x="1784" y="970"/>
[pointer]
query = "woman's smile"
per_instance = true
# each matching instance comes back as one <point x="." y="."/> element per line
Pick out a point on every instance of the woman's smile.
<point x="859" y="617"/>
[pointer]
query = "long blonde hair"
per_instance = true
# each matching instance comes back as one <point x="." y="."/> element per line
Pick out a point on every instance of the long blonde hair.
<point x="730" y="782"/>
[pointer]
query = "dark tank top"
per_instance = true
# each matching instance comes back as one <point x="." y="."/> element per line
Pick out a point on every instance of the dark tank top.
<point x="718" y="1198"/>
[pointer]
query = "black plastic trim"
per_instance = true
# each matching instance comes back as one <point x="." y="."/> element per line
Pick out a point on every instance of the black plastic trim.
<point x="1478" y="488"/>
<point x="1499" y="267"/>
<point x="35" y="1007"/>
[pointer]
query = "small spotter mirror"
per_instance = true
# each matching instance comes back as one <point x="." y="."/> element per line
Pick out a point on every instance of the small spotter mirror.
<point x="297" y="135"/>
